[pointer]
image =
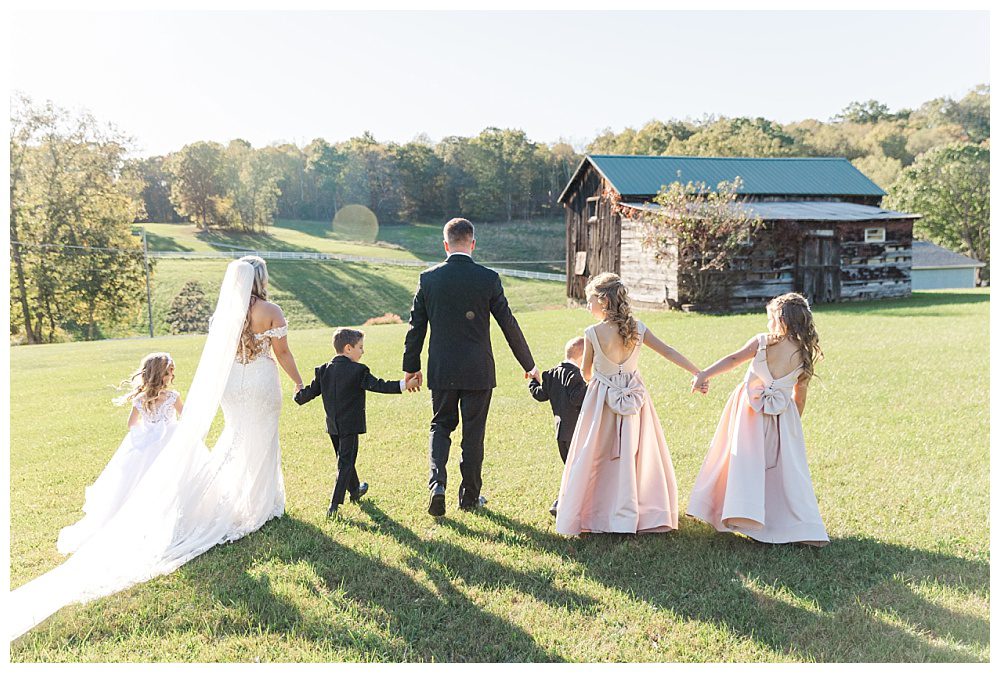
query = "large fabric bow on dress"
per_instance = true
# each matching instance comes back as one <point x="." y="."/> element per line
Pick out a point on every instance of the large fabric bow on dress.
<point x="766" y="398"/>
<point x="625" y="396"/>
<point x="770" y="400"/>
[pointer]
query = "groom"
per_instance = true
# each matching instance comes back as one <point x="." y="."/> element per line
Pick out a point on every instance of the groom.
<point x="456" y="298"/>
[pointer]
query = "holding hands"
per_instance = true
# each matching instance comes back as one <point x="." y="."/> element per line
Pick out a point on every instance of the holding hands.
<point x="699" y="382"/>
<point x="534" y="374"/>
<point x="413" y="381"/>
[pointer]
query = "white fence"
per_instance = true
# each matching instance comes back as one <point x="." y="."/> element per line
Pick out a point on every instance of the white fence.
<point x="336" y="257"/>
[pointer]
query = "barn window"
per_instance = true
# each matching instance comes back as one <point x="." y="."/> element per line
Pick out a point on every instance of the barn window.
<point x="875" y="235"/>
<point x="592" y="208"/>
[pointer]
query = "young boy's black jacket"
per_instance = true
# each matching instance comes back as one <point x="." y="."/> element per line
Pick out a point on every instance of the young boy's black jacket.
<point x="342" y="384"/>
<point x="564" y="388"/>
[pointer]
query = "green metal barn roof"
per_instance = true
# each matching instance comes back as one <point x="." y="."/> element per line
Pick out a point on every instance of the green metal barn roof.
<point x="644" y="175"/>
<point x="803" y="211"/>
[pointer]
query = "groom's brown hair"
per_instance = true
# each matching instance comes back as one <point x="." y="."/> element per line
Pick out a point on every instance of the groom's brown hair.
<point x="459" y="230"/>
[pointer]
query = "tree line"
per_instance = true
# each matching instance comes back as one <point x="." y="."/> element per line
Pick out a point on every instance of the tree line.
<point x="76" y="187"/>
<point x="498" y="175"/>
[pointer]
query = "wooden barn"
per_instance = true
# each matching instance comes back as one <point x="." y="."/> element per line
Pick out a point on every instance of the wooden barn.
<point x="825" y="234"/>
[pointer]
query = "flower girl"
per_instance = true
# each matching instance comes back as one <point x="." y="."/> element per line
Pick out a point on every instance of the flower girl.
<point x="154" y="416"/>
<point x="755" y="479"/>
<point x="618" y="476"/>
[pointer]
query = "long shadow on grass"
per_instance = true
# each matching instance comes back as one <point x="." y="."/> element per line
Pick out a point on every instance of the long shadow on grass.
<point x="382" y="613"/>
<point x="229" y="241"/>
<point x="164" y="243"/>
<point x="844" y="584"/>
<point x="441" y="560"/>
<point x="340" y="293"/>
<point x="856" y="600"/>
<point x="751" y="589"/>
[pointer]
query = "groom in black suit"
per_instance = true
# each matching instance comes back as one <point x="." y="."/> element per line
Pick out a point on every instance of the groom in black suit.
<point x="456" y="298"/>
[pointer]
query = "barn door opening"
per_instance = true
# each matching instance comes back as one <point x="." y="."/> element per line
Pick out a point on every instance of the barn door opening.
<point x="817" y="275"/>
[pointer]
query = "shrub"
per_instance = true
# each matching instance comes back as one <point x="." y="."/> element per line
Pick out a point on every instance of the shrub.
<point x="189" y="311"/>
<point x="384" y="319"/>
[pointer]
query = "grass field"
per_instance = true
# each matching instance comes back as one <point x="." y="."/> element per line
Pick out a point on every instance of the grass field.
<point x="326" y="294"/>
<point x="541" y="240"/>
<point x="897" y="429"/>
<point x="323" y="294"/>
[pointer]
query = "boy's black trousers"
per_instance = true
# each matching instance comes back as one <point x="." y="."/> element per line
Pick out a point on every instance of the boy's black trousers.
<point x="346" y="448"/>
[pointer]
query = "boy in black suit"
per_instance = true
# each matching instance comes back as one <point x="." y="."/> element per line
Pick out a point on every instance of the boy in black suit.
<point x="342" y="383"/>
<point x="564" y="388"/>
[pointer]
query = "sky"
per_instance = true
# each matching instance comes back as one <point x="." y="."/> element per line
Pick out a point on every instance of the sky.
<point x="171" y="78"/>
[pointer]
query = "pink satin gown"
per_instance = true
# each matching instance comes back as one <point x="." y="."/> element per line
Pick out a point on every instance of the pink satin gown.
<point x="618" y="476"/>
<point x="755" y="479"/>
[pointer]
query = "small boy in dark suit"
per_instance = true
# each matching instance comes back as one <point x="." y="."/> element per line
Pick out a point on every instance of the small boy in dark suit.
<point x="564" y="388"/>
<point x="342" y="383"/>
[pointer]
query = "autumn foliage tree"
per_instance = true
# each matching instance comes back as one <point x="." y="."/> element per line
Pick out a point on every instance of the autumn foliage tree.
<point x="74" y="197"/>
<point x="703" y="231"/>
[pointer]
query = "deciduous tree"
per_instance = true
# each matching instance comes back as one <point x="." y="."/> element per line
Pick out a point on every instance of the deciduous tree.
<point x="950" y="187"/>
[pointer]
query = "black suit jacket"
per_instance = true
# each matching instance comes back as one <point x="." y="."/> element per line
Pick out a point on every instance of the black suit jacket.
<point x="564" y="388"/>
<point x="456" y="299"/>
<point x="342" y="384"/>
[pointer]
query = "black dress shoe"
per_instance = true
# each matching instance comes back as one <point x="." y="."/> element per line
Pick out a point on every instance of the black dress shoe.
<point x="555" y="508"/>
<point x="436" y="508"/>
<point x="332" y="512"/>
<point x="476" y="504"/>
<point x="362" y="489"/>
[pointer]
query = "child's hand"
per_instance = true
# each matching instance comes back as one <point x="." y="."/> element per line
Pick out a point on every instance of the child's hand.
<point x="412" y="384"/>
<point x="699" y="382"/>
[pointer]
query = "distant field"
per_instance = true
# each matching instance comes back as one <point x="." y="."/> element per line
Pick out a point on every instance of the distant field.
<point x="315" y="294"/>
<point x="542" y="240"/>
<point x="897" y="432"/>
<point x="318" y="294"/>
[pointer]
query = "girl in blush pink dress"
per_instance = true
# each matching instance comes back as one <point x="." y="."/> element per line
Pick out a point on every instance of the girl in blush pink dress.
<point x="618" y="476"/>
<point x="755" y="479"/>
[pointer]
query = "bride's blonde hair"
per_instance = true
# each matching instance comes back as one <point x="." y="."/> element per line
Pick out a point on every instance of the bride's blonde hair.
<point x="248" y="343"/>
<point x="149" y="380"/>
<point x="613" y="297"/>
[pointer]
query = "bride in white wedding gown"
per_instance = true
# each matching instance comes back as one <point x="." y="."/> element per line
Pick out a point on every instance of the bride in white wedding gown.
<point x="192" y="498"/>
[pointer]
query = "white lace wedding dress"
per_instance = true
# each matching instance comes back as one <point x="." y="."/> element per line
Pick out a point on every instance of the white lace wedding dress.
<point x="191" y="498"/>
<point x="137" y="452"/>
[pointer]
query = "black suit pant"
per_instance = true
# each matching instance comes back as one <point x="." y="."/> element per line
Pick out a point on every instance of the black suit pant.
<point x="346" y="448"/>
<point x="473" y="406"/>
<point x="563" y="449"/>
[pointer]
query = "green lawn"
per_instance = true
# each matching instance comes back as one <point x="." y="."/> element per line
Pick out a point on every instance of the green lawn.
<point x="322" y="293"/>
<point x="542" y="240"/>
<point x="897" y="429"/>
<point x="331" y="293"/>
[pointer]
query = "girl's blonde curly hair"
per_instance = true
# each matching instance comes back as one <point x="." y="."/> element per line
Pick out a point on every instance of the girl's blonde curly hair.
<point x="150" y="380"/>
<point x="613" y="297"/>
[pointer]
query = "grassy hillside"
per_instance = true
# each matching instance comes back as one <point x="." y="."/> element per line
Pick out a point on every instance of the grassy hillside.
<point x="542" y="240"/>
<point x="897" y="430"/>
<point x="317" y="294"/>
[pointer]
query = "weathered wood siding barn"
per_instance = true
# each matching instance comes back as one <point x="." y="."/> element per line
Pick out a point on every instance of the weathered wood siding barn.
<point x="836" y="242"/>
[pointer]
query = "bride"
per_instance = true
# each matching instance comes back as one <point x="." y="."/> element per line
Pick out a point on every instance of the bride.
<point x="192" y="498"/>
